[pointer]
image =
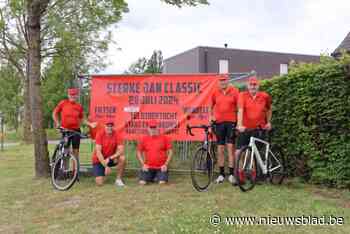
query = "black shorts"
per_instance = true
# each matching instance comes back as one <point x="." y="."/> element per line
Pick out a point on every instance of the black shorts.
<point x="225" y="133"/>
<point x="153" y="175"/>
<point x="99" y="170"/>
<point x="244" y="137"/>
<point x="74" y="140"/>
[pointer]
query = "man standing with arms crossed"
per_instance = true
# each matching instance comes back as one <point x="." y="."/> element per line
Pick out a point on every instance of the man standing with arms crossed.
<point x="224" y="113"/>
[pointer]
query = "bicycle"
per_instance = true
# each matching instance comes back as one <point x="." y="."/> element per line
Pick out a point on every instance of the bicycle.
<point x="250" y="159"/>
<point x="204" y="160"/>
<point x="64" y="165"/>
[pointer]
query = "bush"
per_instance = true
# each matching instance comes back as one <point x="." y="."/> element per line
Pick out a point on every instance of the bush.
<point x="311" y="109"/>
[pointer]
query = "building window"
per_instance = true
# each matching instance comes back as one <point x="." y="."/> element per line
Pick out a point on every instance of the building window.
<point x="223" y="66"/>
<point x="283" y="69"/>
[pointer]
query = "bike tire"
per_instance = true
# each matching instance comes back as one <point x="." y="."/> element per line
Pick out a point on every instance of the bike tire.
<point x="61" y="178"/>
<point x="276" y="158"/>
<point x="201" y="169"/>
<point x="54" y="155"/>
<point x="246" y="169"/>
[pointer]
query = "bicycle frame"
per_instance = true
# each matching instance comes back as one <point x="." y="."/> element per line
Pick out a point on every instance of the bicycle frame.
<point x="255" y="152"/>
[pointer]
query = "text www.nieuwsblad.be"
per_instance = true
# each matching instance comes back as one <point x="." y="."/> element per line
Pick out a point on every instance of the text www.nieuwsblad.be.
<point x="217" y="219"/>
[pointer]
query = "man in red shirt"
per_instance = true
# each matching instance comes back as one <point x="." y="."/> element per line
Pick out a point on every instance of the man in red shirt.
<point x="224" y="113"/>
<point x="154" y="153"/>
<point x="71" y="114"/>
<point x="254" y="111"/>
<point x="109" y="152"/>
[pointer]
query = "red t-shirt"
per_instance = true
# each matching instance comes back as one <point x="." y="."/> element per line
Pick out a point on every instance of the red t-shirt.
<point x="254" y="109"/>
<point x="225" y="104"/>
<point x="71" y="114"/>
<point x="93" y="131"/>
<point x="155" y="150"/>
<point x="109" y="144"/>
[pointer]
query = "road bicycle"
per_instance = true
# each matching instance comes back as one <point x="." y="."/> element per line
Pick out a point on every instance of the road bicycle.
<point x="204" y="159"/>
<point x="64" y="165"/>
<point x="259" y="154"/>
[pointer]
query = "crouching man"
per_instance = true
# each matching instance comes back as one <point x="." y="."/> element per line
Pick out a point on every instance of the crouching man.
<point x="109" y="152"/>
<point x="154" y="152"/>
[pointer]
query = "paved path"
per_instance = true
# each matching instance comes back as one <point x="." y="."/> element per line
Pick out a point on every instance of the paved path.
<point x="51" y="142"/>
<point x="10" y="144"/>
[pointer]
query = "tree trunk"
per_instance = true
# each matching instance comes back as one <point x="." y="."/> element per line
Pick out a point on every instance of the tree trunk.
<point x="34" y="11"/>
<point x="27" y="120"/>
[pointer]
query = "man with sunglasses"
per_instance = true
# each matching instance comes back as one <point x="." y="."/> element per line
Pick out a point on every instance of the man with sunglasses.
<point x="109" y="152"/>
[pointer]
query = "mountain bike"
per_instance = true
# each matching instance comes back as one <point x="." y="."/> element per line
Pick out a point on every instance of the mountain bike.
<point x="64" y="165"/>
<point x="259" y="154"/>
<point x="204" y="159"/>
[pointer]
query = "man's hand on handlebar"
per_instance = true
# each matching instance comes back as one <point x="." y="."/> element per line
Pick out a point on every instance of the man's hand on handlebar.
<point x="211" y="119"/>
<point x="57" y="125"/>
<point x="241" y="128"/>
<point x="267" y="127"/>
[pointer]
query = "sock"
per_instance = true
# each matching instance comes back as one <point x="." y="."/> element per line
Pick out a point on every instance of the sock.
<point x="231" y="170"/>
<point x="222" y="171"/>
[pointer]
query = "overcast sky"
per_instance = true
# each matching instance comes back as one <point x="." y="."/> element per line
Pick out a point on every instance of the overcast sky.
<point x="298" y="26"/>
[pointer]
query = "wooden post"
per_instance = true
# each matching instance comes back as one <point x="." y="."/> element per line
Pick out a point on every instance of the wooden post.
<point x="2" y="134"/>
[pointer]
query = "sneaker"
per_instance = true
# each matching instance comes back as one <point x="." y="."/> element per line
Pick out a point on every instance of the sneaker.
<point x="119" y="183"/>
<point x="220" y="179"/>
<point x="232" y="180"/>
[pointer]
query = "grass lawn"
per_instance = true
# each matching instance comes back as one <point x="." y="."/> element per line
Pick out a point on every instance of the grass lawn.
<point x="29" y="205"/>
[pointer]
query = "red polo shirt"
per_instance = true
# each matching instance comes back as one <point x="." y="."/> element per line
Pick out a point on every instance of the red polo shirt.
<point x="155" y="150"/>
<point x="109" y="144"/>
<point x="254" y="109"/>
<point x="71" y="114"/>
<point x="225" y="104"/>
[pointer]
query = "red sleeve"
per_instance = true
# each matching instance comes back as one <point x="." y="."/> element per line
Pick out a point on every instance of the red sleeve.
<point x="120" y="139"/>
<point x="241" y="100"/>
<point x="213" y="99"/>
<point x="59" y="107"/>
<point x="140" y="145"/>
<point x="268" y="101"/>
<point x="236" y="94"/>
<point x="168" y="144"/>
<point x="81" y="114"/>
<point x="99" y="137"/>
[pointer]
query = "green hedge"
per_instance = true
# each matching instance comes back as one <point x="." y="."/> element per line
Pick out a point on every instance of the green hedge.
<point x="311" y="113"/>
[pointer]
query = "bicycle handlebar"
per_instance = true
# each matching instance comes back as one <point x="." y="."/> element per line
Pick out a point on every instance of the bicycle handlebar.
<point x="64" y="130"/>
<point x="205" y="127"/>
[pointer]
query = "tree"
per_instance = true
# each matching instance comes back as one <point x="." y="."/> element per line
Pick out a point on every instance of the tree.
<point x="143" y="65"/>
<point x="155" y="63"/>
<point x="97" y="14"/>
<point x="138" y="67"/>
<point x="45" y="35"/>
<point x="180" y="3"/>
<point x="13" y="49"/>
<point x="11" y="99"/>
<point x="69" y="29"/>
<point x="56" y="79"/>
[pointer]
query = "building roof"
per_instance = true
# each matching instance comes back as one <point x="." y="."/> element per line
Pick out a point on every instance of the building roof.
<point x="345" y="45"/>
<point x="241" y="50"/>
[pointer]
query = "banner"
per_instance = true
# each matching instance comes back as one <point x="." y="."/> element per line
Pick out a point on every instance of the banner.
<point x="131" y="101"/>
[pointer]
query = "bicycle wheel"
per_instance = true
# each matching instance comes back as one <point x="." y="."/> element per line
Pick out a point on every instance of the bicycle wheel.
<point x="54" y="155"/>
<point x="276" y="165"/>
<point x="246" y="169"/>
<point x="64" y="172"/>
<point x="201" y="170"/>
